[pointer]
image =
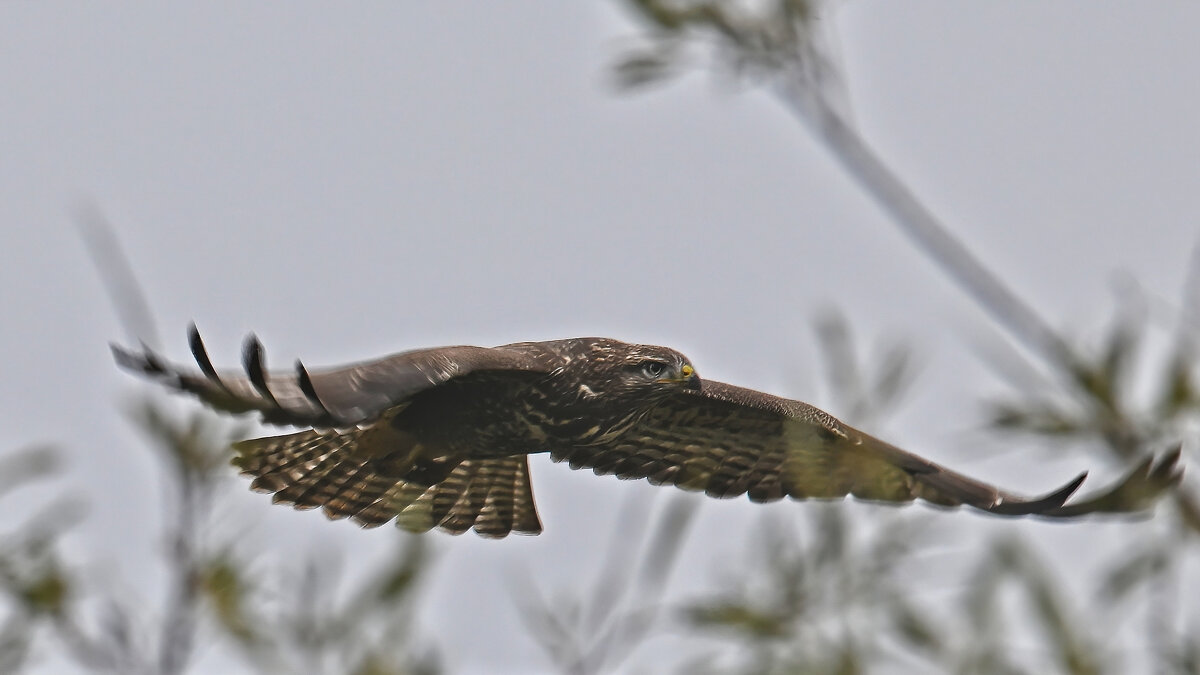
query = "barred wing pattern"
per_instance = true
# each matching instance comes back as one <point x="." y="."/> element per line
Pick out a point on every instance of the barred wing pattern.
<point x="314" y="469"/>
<point x="728" y="441"/>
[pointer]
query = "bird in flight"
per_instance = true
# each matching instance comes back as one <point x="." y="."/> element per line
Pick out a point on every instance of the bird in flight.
<point x="441" y="437"/>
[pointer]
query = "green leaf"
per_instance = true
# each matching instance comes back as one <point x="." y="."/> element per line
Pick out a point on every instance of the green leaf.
<point x="740" y="618"/>
<point x="222" y="582"/>
<point x="46" y="593"/>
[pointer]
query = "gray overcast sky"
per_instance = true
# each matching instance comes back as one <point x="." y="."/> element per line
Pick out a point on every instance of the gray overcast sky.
<point x="355" y="180"/>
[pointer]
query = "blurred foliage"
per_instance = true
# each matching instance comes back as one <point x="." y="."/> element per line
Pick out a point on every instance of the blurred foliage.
<point x="295" y="619"/>
<point x="598" y="630"/>
<point x="863" y="393"/>
<point x="753" y="40"/>
<point x="32" y="574"/>
<point x="810" y="600"/>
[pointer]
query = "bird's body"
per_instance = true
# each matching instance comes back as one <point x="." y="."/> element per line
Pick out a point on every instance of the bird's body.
<point x="440" y="437"/>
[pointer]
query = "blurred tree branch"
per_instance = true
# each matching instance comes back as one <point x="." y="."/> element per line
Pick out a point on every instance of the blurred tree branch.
<point x="780" y="44"/>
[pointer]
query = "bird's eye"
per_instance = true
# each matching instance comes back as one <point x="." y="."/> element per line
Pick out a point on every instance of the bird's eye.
<point x="653" y="369"/>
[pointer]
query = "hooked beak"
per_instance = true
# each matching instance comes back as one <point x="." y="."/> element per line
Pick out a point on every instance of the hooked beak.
<point x="688" y="376"/>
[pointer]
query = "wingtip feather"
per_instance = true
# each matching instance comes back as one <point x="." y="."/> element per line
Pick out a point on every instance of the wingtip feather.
<point x="1168" y="470"/>
<point x="306" y="385"/>
<point x="1048" y="502"/>
<point x="253" y="359"/>
<point x="200" y="353"/>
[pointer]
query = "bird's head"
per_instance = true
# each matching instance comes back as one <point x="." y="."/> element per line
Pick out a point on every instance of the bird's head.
<point x="658" y="367"/>
<point x="635" y="373"/>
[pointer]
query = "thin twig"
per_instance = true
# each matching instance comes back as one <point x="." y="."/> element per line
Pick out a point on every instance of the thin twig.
<point x="179" y="622"/>
<point x="922" y="226"/>
<point x="116" y="275"/>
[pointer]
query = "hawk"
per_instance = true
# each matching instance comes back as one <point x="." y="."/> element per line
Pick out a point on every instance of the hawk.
<point x="441" y="437"/>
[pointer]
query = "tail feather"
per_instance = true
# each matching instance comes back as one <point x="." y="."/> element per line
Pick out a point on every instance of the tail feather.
<point x="496" y="514"/>
<point x="447" y="495"/>
<point x="310" y="469"/>
<point x="493" y="496"/>
<point x="465" y="499"/>
<point x="509" y="504"/>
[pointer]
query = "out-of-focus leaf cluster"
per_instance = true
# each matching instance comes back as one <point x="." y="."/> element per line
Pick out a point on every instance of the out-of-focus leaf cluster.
<point x="751" y="39"/>
<point x="596" y="630"/>
<point x="863" y="393"/>
<point x="33" y="578"/>
<point x="810" y="604"/>
<point x="836" y="597"/>
<point x="1128" y="394"/>
<point x="307" y="618"/>
<point x="311" y="624"/>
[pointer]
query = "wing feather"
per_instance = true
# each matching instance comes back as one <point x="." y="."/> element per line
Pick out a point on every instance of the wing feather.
<point x="341" y="474"/>
<point x="334" y="398"/>
<point x="729" y="441"/>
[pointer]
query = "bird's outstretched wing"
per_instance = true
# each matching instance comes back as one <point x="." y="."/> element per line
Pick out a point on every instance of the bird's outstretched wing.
<point x="728" y="441"/>
<point x="338" y="397"/>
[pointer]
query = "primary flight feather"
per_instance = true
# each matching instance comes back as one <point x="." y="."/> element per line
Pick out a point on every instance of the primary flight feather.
<point x="440" y="437"/>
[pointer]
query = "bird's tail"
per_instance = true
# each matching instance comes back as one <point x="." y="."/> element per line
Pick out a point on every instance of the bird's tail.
<point x="311" y="469"/>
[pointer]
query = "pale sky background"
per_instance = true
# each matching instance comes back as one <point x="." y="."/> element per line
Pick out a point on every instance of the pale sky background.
<point x="353" y="180"/>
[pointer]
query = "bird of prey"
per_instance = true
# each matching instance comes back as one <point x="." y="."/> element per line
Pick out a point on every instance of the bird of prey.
<point x="441" y="437"/>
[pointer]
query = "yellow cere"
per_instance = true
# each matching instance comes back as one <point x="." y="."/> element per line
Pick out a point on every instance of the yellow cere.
<point x="687" y="370"/>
